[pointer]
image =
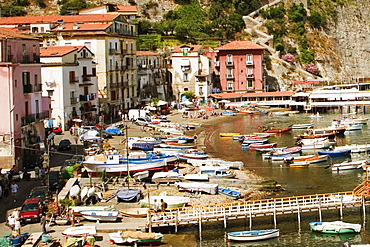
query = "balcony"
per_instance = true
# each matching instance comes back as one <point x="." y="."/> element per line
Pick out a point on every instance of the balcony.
<point x="229" y="76"/>
<point x="74" y="80"/>
<point x="249" y="63"/>
<point x="34" y="117"/>
<point x="86" y="78"/>
<point x="38" y="87"/>
<point x="230" y="88"/>
<point x="87" y="97"/>
<point x="112" y="51"/>
<point x="27" y="88"/>
<point x="125" y="84"/>
<point x="123" y="51"/>
<point x="229" y="64"/>
<point x="113" y="85"/>
<point x="250" y="76"/>
<point x="73" y="100"/>
<point x="36" y="59"/>
<point x="25" y="59"/>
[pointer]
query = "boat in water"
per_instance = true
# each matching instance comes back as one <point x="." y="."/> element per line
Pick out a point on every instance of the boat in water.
<point x="348" y="165"/>
<point x="253" y="235"/>
<point x="338" y="227"/>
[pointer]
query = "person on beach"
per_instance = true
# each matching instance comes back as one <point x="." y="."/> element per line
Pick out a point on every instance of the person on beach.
<point x="163" y="205"/>
<point x="156" y="206"/>
<point x="14" y="189"/>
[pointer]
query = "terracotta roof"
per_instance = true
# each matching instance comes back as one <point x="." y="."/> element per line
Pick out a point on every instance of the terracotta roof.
<point x="58" y="51"/>
<point x="55" y="18"/>
<point x="83" y="27"/>
<point x="122" y="8"/>
<point x="146" y="53"/>
<point x="262" y="94"/>
<point x="9" y="33"/>
<point x="240" y="45"/>
<point x="194" y="48"/>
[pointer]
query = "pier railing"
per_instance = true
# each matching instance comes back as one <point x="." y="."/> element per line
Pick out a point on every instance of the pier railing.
<point x="362" y="189"/>
<point x="250" y="209"/>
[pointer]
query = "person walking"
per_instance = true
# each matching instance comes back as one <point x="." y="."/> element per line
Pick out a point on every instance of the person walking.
<point x="163" y="205"/>
<point x="6" y="192"/>
<point x="37" y="172"/>
<point x="17" y="226"/>
<point x="156" y="206"/>
<point x="14" y="189"/>
<point x="43" y="223"/>
<point x="11" y="222"/>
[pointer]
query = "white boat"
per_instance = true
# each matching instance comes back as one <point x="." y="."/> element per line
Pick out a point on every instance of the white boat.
<point x="172" y="201"/>
<point x="84" y="192"/>
<point x="139" y="176"/>
<point x="318" y="143"/>
<point x="91" y="191"/>
<point x="101" y="215"/>
<point x="167" y="177"/>
<point x="80" y="231"/>
<point x="335" y="227"/>
<point x="196" y="177"/>
<point x="139" y="238"/>
<point x="354" y="120"/>
<point x="302" y="126"/>
<point x="197" y="187"/>
<point x="217" y="162"/>
<point x="135" y="212"/>
<point x="348" y="165"/>
<point x="253" y="235"/>
<point x="74" y="191"/>
<point x="77" y="209"/>
<point x="355" y="148"/>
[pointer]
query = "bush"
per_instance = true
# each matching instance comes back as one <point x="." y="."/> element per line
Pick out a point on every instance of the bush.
<point x="316" y="20"/>
<point x="311" y="68"/>
<point x="289" y="58"/>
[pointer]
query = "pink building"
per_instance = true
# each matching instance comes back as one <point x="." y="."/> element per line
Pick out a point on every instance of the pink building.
<point x="23" y="109"/>
<point x="240" y="67"/>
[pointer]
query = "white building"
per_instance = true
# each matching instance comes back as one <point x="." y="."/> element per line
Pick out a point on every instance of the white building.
<point x="69" y="78"/>
<point x="191" y="71"/>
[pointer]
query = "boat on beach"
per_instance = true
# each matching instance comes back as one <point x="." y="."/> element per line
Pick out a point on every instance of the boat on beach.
<point x="172" y="201"/>
<point x="253" y="235"/>
<point x="229" y="193"/>
<point x="100" y="215"/>
<point x="135" y="212"/>
<point x="348" y="165"/>
<point x="197" y="187"/>
<point x="128" y="195"/>
<point x="217" y="162"/>
<point x="136" y="237"/>
<point x="338" y="227"/>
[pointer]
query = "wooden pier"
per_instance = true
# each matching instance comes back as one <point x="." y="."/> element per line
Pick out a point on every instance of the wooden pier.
<point x="268" y="207"/>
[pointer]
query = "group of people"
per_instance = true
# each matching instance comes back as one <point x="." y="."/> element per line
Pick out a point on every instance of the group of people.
<point x="159" y="206"/>
<point x="14" y="222"/>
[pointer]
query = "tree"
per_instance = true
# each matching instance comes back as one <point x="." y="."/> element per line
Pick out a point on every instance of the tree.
<point x="144" y="27"/>
<point x="189" y="95"/>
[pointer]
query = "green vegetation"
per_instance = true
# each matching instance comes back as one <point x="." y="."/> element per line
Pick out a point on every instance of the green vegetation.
<point x="9" y="10"/>
<point x="149" y="42"/>
<point x="69" y="7"/>
<point x="189" y="95"/>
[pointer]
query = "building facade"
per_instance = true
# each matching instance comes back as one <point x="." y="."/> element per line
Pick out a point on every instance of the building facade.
<point x="69" y="79"/>
<point x="24" y="109"/>
<point x="240" y="67"/>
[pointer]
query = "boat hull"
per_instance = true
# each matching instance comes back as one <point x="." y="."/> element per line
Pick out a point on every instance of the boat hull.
<point x="336" y="227"/>
<point x="253" y="235"/>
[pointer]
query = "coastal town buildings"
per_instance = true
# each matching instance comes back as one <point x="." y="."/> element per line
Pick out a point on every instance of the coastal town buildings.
<point x="111" y="37"/>
<point x="191" y="71"/>
<point x="130" y="12"/>
<point x="69" y="79"/>
<point x="23" y="108"/>
<point x="240" y="67"/>
<point x="152" y="76"/>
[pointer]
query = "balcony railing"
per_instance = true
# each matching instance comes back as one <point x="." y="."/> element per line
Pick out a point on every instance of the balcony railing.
<point x="74" y="100"/>
<point x="34" y="117"/>
<point x="38" y="87"/>
<point x="85" y="78"/>
<point x="25" y="59"/>
<point x="249" y="63"/>
<point x="229" y="76"/>
<point x="27" y="88"/>
<point x="125" y="84"/>
<point x="73" y="80"/>
<point x="250" y="76"/>
<point x="230" y="88"/>
<point x="112" y="51"/>
<point x="229" y="63"/>
<point x="36" y="59"/>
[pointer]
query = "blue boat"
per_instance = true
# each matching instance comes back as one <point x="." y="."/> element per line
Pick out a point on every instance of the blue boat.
<point x="335" y="153"/>
<point x="229" y="193"/>
<point x="128" y="195"/>
<point x="253" y="235"/>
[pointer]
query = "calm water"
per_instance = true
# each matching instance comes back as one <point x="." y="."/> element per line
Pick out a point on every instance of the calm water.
<point x="296" y="181"/>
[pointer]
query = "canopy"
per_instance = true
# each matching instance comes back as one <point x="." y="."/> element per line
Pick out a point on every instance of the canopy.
<point x="113" y="130"/>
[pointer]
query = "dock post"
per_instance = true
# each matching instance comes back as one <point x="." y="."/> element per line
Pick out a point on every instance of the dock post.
<point x="224" y="216"/>
<point x="320" y="214"/>
<point x="149" y="221"/>
<point x="299" y="214"/>
<point x="363" y="206"/>
<point x="200" y="222"/>
<point x="341" y="208"/>
<point x="250" y="217"/>
<point x="176" y="220"/>
<point x="275" y="213"/>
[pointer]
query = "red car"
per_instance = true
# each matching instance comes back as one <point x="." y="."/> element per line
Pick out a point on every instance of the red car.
<point x="31" y="210"/>
<point x="57" y="130"/>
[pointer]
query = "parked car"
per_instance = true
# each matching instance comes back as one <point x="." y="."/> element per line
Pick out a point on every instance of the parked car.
<point x="57" y="130"/>
<point x="88" y="128"/>
<point x="142" y="121"/>
<point x="54" y="180"/>
<point x="31" y="210"/>
<point x="64" y="144"/>
<point x="39" y="192"/>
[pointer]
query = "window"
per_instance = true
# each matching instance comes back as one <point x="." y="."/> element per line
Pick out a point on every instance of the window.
<point x="186" y="77"/>
<point x="185" y="51"/>
<point x="26" y="78"/>
<point x="250" y="83"/>
<point x="249" y="57"/>
<point x="229" y="59"/>
<point x="9" y="53"/>
<point x="72" y="76"/>
<point x="230" y="86"/>
<point x="250" y="72"/>
<point x="229" y="73"/>
<point x="200" y="90"/>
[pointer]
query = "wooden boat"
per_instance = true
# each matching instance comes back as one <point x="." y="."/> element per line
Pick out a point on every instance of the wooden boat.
<point x="282" y="157"/>
<point x="246" y="111"/>
<point x="80" y="231"/>
<point x="136" y="237"/>
<point x="77" y="209"/>
<point x="299" y="164"/>
<point x="218" y="162"/>
<point x="302" y="126"/>
<point x="267" y="145"/>
<point x="197" y="187"/>
<point x="128" y="195"/>
<point x="317" y="115"/>
<point x="335" y="153"/>
<point x="315" y="136"/>
<point x="253" y="235"/>
<point x="229" y="193"/>
<point x="355" y="148"/>
<point x="101" y="215"/>
<point x="354" y="120"/>
<point x="140" y="176"/>
<point x="186" y="156"/>
<point x="228" y="113"/>
<point x="279" y="130"/>
<point x="172" y="201"/>
<point x="338" y="227"/>
<point x="318" y="158"/>
<point x="228" y="134"/>
<point x="166" y="177"/>
<point x="336" y="130"/>
<point x="255" y="141"/>
<point x="348" y="165"/>
<point x="135" y="212"/>
<point x="315" y="143"/>
<point x="217" y="173"/>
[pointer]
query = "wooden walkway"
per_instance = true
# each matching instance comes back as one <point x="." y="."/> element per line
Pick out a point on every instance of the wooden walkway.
<point x="258" y="208"/>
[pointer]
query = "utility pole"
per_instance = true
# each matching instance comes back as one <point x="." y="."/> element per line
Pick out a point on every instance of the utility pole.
<point x="101" y="133"/>
<point x="128" y="163"/>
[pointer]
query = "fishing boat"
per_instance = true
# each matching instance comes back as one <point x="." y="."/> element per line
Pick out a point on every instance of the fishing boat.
<point x="335" y="153"/>
<point x="267" y="145"/>
<point x="76" y="209"/>
<point x="218" y="162"/>
<point x="172" y="201"/>
<point x="348" y="165"/>
<point x="140" y="176"/>
<point x="84" y="192"/>
<point x="194" y="155"/>
<point x="315" y="136"/>
<point x="338" y="227"/>
<point x="279" y="130"/>
<point x="135" y="212"/>
<point x="216" y="172"/>
<point x="254" y="137"/>
<point x="128" y="195"/>
<point x="196" y="177"/>
<point x="299" y="164"/>
<point x="228" y="134"/>
<point x="282" y="157"/>
<point x="100" y="215"/>
<point x="317" y="115"/>
<point x="309" y="144"/>
<point x="74" y="191"/>
<point x="80" y="231"/>
<point x="253" y="235"/>
<point x="229" y="193"/>
<point x="167" y="177"/>
<point x="354" y="120"/>
<point x="355" y="148"/>
<point x="228" y="113"/>
<point x="197" y="187"/>
<point x="308" y="158"/>
<point x="136" y="237"/>
<point x="302" y="126"/>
